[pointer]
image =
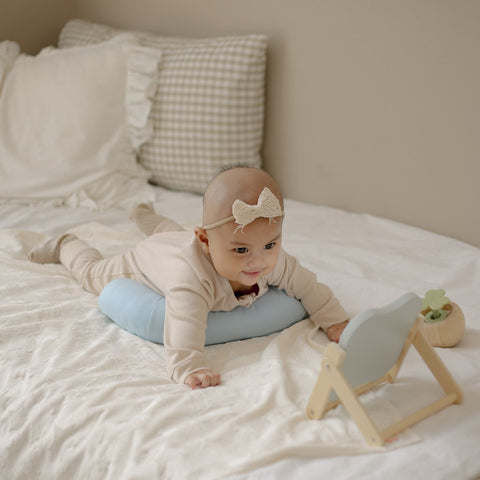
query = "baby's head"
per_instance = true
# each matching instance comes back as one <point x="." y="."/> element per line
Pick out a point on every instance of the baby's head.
<point x="245" y="251"/>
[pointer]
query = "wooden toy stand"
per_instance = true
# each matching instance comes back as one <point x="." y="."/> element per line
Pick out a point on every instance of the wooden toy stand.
<point x="371" y="352"/>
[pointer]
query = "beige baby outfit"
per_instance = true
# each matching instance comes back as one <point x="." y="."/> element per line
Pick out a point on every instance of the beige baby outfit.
<point x="174" y="264"/>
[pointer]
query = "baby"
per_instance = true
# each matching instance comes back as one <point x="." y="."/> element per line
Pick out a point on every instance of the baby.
<point x="230" y="260"/>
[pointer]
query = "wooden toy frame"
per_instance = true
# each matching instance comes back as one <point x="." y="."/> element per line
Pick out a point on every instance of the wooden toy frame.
<point x="331" y="378"/>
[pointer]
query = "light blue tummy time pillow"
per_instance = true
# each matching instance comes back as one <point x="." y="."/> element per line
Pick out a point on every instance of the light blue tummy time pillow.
<point x="141" y="311"/>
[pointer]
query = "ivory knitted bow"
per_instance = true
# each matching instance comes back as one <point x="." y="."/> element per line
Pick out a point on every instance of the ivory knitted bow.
<point x="268" y="206"/>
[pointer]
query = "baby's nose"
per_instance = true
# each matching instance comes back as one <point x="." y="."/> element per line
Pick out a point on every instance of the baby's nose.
<point x="257" y="259"/>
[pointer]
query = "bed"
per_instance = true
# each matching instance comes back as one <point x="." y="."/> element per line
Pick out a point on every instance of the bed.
<point x="82" y="398"/>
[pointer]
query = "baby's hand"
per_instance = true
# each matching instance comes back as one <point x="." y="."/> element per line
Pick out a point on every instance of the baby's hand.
<point x="334" y="331"/>
<point x="202" y="379"/>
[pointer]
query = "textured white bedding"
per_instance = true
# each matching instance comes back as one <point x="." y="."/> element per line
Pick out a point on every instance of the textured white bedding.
<point x="80" y="398"/>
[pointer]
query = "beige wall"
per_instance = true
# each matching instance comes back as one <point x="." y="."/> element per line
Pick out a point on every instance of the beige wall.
<point x="372" y="106"/>
<point x="33" y="23"/>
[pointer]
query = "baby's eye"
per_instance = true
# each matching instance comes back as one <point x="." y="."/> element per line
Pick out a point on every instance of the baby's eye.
<point x="269" y="246"/>
<point x="241" y="249"/>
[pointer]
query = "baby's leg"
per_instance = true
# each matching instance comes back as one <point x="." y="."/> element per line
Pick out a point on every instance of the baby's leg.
<point x="91" y="270"/>
<point x="147" y="221"/>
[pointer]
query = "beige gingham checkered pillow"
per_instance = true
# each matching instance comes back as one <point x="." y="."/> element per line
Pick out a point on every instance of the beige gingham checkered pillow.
<point x="209" y="106"/>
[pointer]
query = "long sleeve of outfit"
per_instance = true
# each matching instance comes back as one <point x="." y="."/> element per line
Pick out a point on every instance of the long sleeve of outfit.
<point x="317" y="298"/>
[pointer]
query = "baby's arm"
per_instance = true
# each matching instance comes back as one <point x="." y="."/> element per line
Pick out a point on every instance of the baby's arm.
<point x="184" y="337"/>
<point x="317" y="298"/>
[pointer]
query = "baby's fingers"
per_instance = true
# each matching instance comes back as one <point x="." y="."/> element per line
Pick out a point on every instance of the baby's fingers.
<point x="209" y="379"/>
<point x="202" y="379"/>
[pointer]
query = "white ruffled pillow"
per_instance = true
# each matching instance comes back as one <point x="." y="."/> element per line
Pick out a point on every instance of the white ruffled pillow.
<point x="72" y="122"/>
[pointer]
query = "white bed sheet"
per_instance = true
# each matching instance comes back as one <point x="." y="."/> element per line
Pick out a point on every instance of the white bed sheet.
<point x="81" y="398"/>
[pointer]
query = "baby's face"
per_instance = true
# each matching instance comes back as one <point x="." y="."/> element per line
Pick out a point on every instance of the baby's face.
<point x="244" y="256"/>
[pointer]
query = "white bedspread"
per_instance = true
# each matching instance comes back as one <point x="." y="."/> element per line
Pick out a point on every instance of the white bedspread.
<point x="80" y="398"/>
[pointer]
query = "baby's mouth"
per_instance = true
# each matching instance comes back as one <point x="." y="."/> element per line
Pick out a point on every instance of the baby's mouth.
<point x="253" y="274"/>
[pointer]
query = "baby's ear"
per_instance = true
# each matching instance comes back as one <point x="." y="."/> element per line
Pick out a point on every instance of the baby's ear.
<point x="202" y="237"/>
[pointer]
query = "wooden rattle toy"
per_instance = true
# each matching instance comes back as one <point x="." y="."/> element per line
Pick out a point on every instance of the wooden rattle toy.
<point x="444" y="322"/>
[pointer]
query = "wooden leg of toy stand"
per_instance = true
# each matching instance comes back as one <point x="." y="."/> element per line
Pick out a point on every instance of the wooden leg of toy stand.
<point x="321" y="392"/>
<point x="331" y="378"/>
<point x="320" y="395"/>
<point x="437" y="367"/>
<point x="444" y="378"/>
<point x="353" y="406"/>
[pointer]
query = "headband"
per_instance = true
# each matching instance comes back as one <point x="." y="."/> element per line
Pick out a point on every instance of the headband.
<point x="268" y="206"/>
